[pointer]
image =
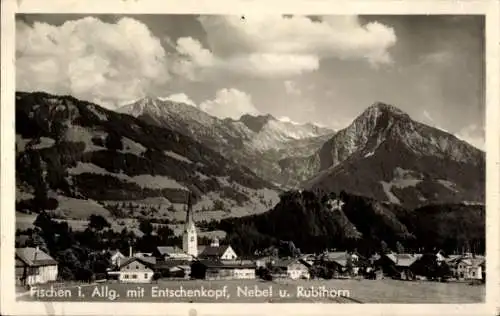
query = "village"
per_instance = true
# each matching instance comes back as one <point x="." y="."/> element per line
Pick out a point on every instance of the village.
<point x="218" y="261"/>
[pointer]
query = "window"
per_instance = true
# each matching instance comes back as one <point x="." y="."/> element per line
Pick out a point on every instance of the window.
<point x="125" y="276"/>
<point x="145" y="275"/>
<point x="192" y="238"/>
<point x="137" y="267"/>
<point x="134" y="276"/>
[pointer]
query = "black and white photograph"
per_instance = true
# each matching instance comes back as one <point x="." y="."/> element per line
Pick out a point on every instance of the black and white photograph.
<point x="250" y="158"/>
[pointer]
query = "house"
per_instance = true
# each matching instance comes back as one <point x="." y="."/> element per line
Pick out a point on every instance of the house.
<point x="218" y="252"/>
<point x="342" y="262"/>
<point x="135" y="270"/>
<point x="467" y="267"/>
<point x="290" y="268"/>
<point x="117" y="258"/>
<point x="223" y="270"/>
<point x="398" y="265"/>
<point x="33" y="266"/>
<point x="164" y="253"/>
<point x="174" y="268"/>
<point x="264" y="261"/>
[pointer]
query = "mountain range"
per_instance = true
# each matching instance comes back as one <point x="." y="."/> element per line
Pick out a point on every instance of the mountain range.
<point x="96" y="158"/>
<point x="148" y="154"/>
<point x="382" y="154"/>
<point x="258" y="142"/>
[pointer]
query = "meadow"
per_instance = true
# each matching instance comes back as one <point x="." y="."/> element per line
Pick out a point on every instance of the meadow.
<point x="360" y="291"/>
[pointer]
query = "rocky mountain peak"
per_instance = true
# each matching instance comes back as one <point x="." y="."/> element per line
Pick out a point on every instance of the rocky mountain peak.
<point x="256" y="122"/>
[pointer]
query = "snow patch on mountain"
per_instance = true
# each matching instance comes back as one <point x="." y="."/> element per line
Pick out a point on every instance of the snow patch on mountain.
<point x="177" y="156"/>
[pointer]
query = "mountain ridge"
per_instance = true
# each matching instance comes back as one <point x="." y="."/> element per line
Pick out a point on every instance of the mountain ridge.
<point x="254" y="141"/>
<point x="383" y="150"/>
<point x="79" y="150"/>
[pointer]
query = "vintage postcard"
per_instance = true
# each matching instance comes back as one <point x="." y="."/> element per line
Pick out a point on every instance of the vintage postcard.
<point x="250" y="158"/>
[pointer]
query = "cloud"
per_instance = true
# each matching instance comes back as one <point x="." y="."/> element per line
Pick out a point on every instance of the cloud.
<point x="291" y="88"/>
<point x="443" y="57"/>
<point x="230" y="103"/>
<point x="286" y="119"/>
<point x="474" y="135"/>
<point x="90" y="59"/>
<point x="179" y="98"/>
<point x="278" y="46"/>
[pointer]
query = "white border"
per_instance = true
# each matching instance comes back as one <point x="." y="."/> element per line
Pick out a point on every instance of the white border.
<point x="488" y="7"/>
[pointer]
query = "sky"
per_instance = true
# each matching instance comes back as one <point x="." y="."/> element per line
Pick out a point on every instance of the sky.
<point x="320" y="69"/>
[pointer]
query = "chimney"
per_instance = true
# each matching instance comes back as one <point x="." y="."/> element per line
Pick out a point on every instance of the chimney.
<point x="37" y="249"/>
<point x="130" y="251"/>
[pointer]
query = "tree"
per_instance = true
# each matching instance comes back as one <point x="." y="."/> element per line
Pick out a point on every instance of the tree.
<point x="164" y="233"/>
<point x="146" y="227"/>
<point x="383" y="247"/>
<point x="218" y="205"/>
<point x="113" y="141"/>
<point x="98" y="222"/>
<point x="399" y="247"/>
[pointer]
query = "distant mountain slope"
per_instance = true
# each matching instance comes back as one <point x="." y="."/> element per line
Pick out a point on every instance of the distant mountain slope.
<point x="80" y="150"/>
<point x="313" y="224"/>
<point x="386" y="155"/>
<point x="258" y="142"/>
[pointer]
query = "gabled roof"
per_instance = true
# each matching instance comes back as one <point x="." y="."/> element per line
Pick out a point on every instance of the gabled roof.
<point x="34" y="257"/>
<point x="403" y="259"/>
<point x="211" y="251"/>
<point x="116" y="252"/>
<point x="468" y="260"/>
<point x="147" y="261"/>
<point x="339" y="257"/>
<point x="166" y="250"/>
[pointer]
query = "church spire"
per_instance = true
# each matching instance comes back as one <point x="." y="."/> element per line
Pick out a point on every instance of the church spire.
<point x="189" y="206"/>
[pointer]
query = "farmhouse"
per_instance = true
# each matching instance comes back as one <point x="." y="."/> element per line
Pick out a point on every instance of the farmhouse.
<point x="342" y="262"/>
<point x="174" y="268"/>
<point x="135" y="270"/>
<point x="290" y="268"/>
<point x="467" y="267"/>
<point x="399" y="266"/>
<point x="33" y="266"/>
<point x="223" y="270"/>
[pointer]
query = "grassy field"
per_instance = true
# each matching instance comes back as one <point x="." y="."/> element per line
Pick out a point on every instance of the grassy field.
<point x="360" y="291"/>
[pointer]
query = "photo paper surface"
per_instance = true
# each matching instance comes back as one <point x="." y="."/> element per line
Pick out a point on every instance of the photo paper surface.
<point x="214" y="161"/>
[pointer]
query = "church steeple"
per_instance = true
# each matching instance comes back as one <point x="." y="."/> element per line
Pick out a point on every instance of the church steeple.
<point x="189" y="215"/>
<point x="189" y="238"/>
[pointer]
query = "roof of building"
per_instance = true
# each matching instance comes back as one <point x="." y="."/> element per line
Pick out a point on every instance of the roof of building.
<point x="172" y="263"/>
<point x="339" y="257"/>
<point x="116" y="252"/>
<point x="210" y="251"/>
<point x="34" y="257"/>
<point x="471" y="260"/>
<point x="285" y="263"/>
<point x="150" y="262"/>
<point x="403" y="259"/>
<point x="226" y="264"/>
<point x="165" y="250"/>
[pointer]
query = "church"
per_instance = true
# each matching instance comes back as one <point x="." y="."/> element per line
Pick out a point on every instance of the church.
<point x="189" y="236"/>
<point x="190" y="248"/>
